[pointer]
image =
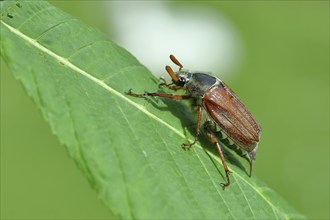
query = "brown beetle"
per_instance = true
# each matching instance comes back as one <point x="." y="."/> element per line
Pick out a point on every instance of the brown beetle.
<point x="223" y="107"/>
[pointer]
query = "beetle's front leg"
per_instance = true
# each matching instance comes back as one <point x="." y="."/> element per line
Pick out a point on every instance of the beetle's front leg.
<point x="171" y="86"/>
<point x="164" y="95"/>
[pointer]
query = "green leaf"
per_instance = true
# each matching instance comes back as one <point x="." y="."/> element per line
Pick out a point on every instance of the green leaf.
<point x="128" y="148"/>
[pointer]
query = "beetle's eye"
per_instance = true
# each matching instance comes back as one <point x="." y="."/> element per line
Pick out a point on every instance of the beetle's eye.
<point x="181" y="81"/>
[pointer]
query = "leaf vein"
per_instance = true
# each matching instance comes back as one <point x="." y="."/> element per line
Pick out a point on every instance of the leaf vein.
<point x="53" y="27"/>
<point x="135" y="137"/>
<point x="254" y="217"/>
<point x="182" y="175"/>
<point x="34" y="15"/>
<point x="82" y="47"/>
<point x="215" y="186"/>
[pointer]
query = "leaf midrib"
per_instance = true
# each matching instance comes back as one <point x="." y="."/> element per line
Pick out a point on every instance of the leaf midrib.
<point x="136" y="105"/>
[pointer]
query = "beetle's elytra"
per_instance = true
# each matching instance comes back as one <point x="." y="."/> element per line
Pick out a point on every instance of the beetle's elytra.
<point x="226" y="113"/>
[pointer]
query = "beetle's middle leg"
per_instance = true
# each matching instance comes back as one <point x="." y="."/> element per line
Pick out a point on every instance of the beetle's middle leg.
<point x="199" y="119"/>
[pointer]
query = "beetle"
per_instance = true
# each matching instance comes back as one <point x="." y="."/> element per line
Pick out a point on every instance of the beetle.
<point x="227" y="115"/>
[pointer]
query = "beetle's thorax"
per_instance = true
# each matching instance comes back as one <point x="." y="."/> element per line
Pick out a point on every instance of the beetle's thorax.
<point x="200" y="83"/>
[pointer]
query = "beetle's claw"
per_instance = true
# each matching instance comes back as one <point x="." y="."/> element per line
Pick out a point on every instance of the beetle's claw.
<point x="186" y="146"/>
<point x="224" y="185"/>
<point x="129" y="92"/>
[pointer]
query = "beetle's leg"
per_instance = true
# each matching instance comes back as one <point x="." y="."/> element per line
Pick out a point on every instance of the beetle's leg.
<point x="171" y="86"/>
<point x="215" y="141"/>
<point x="164" y="83"/>
<point x="164" y="95"/>
<point x="199" y="119"/>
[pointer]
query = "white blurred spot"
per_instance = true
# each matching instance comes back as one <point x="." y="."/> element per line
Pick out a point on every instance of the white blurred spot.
<point x="201" y="39"/>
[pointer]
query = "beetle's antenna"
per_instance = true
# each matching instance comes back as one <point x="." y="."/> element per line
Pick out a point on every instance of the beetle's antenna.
<point x="174" y="60"/>
<point x="171" y="73"/>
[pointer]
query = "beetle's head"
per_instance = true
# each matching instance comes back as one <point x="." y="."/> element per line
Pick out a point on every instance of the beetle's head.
<point x="181" y="77"/>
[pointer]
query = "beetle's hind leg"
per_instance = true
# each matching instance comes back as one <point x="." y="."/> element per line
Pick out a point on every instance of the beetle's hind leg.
<point x="208" y="130"/>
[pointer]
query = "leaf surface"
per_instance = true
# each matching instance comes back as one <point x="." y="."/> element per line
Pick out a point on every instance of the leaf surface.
<point x="128" y="148"/>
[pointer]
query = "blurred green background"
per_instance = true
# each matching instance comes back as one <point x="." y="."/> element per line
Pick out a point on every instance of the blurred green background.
<point x="284" y="80"/>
